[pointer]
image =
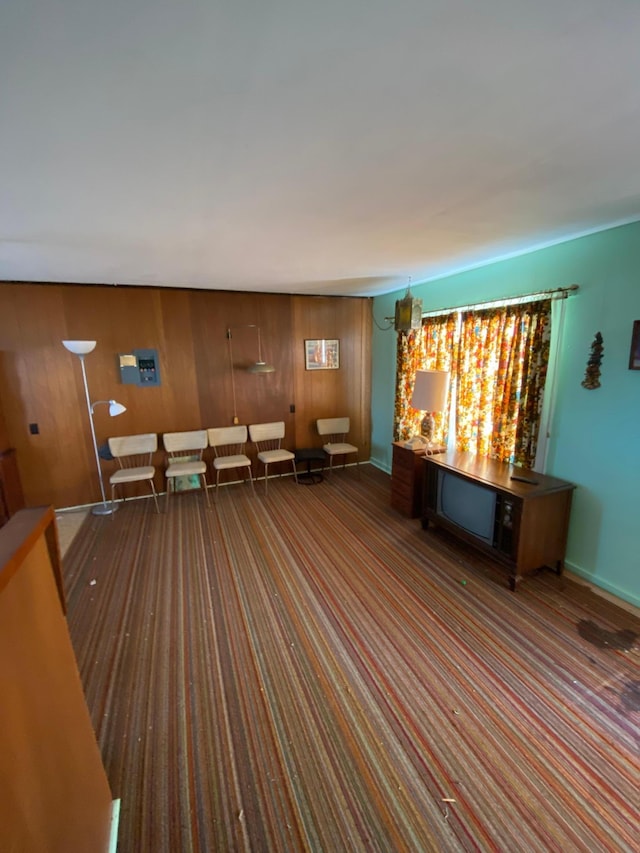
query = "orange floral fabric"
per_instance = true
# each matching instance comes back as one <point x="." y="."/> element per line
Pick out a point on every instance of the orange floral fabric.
<point x="498" y="365"/>
<point x="502" y="365"/>
<point x="433" y="347"/>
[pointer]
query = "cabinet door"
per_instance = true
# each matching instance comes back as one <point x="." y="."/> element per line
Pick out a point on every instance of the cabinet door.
<point x="508" y="516"/>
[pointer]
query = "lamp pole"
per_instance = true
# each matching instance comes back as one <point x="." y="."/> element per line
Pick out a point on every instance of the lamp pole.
<point x="81" y="348"/>
<point x="104" y="509"/>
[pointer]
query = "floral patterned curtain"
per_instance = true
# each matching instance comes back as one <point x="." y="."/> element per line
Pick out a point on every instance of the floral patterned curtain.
<point x="502" y="366"/>
<point x="432" y="347"/>
<point x="498" y="366"/>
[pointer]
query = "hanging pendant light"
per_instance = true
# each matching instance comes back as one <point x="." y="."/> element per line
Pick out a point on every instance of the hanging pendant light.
<point x="260" y="366"/>
<point x="257" y="367"/>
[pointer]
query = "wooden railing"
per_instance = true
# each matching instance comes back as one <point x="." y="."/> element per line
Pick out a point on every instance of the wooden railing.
<point x="54" y="793"/>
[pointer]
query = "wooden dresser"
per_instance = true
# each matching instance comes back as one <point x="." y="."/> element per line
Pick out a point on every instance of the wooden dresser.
<point x="406" y="478"/>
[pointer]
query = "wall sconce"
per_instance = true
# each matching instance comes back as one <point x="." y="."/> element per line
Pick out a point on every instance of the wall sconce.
<point x="259" y="367"/>
<point x="408" y="312"/>
<point x="430" y="395"/>
<point x="81" y="349"/>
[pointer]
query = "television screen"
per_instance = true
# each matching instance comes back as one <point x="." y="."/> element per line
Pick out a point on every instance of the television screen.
<point x="469" y="505"/>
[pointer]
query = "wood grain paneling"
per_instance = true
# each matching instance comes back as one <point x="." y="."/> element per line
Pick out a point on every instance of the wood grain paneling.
<point x="4" y="431"/>
<point x="334" y="393"/>
<point x="41" y="382"/>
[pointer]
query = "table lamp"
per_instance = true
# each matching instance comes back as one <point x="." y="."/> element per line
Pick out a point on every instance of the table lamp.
<point x="429" y="396"/>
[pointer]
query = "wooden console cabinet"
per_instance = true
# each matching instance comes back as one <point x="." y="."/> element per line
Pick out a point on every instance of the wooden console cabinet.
<point x="531" y="519"/>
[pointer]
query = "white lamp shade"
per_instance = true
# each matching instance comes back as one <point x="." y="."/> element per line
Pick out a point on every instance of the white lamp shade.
<point x="79" y="347"/>
<point x="116" y="408"/>
<point x="430" y="390"/>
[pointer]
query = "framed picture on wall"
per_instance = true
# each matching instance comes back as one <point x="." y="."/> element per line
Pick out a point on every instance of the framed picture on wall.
<point x="634" y="355"/>
<point x="322" y="354"/>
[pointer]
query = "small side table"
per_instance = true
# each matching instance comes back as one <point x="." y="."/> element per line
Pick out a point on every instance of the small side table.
<point x="309" y="455"/>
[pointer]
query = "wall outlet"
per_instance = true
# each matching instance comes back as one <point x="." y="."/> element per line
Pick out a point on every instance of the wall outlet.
<point x="34" y="429"/>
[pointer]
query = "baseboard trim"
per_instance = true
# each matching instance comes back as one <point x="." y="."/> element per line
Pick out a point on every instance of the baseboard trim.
<point x="606" y="590"/>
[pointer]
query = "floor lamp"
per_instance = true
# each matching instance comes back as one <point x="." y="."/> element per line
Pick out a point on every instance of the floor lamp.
<point x="82" y="348"/>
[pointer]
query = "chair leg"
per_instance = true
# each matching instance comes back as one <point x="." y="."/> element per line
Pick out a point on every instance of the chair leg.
<point x="217" y="482"/>
<point x="113" y="497"/>
<point x="155" y="496"/>
<point x="295" y="472"/>
<point x="166" y="503"/>
<point x="253" y="491"/>
<point x="206" y="490"/>
<point x="266" y="477"/>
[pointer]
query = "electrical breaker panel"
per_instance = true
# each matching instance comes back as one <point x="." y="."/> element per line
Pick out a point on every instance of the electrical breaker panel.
<point x="139" y="367"/>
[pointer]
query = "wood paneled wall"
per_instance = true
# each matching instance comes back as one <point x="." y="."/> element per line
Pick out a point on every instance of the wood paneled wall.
<point x="40" y="382"/>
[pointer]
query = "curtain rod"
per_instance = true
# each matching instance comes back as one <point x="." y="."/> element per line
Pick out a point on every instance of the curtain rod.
<point x="557" y="293"/>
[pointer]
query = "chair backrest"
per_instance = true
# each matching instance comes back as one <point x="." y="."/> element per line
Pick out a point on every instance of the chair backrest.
<point x="178" y="442"/>
<point x="231" y="439"/>
<point x="337" y="428"/>
<point x="128" y="449"/>
<point x="267" y="434"/>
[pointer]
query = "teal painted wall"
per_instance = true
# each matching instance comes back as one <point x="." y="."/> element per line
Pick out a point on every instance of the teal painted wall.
<point x="595" y="439"/>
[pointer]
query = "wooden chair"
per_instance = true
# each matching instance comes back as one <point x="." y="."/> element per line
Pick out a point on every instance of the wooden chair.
<point x="268" y="440"/>
<point x="228" y="446"/>
<point x="336" y="430"/>
<point x="181" y="444"/>
<point x="134" y="454"/>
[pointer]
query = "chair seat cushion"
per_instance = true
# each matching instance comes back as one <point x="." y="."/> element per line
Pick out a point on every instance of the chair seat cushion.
<point x="185" y="469"/>
<point x="132" y="475"/>
<point x="339" y="447"/>
<point x="238" y="461"/>
<point x="269" y="456"/>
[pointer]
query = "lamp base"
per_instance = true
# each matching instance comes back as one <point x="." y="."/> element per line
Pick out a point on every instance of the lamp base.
<point x="427" y="427"/>
<point x="104" y="509"/>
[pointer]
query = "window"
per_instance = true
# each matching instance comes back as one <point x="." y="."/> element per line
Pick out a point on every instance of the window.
<point x="497" y="358"/>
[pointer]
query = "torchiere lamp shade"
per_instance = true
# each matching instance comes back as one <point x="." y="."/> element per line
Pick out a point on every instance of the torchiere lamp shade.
<point x="79" y="347"/>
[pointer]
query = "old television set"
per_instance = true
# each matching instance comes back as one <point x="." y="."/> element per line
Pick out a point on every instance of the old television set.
<point x="469" y="505"/>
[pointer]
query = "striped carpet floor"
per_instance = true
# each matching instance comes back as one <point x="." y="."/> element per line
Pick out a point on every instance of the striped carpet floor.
<point x="308" y="672"/>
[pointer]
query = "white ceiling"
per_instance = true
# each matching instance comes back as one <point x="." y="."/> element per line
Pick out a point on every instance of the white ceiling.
<point x="309" y="146"/>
